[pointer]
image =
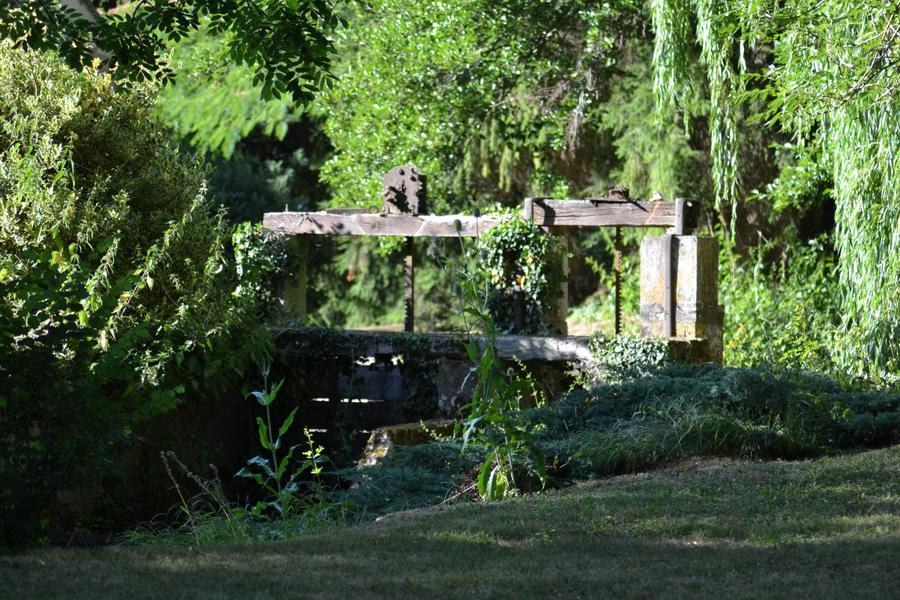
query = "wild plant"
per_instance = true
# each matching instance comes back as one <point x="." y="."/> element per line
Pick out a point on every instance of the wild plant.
<point x="276" y="472"/>
<point x="492" y="416"/>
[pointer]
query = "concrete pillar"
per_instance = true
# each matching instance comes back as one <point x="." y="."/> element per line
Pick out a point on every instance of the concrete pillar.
<point x="694" y="289"/>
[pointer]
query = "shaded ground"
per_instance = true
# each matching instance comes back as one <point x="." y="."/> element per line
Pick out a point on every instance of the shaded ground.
<point x="828" y="528"/>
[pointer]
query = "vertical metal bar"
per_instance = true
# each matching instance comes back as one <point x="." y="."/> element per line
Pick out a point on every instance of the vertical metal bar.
<point x="518" y="311"/>
<point x="669" y="279"/>
<point x="617" y="269"/>
<point x="556" y="319"/>
<point x="410" y="269"/>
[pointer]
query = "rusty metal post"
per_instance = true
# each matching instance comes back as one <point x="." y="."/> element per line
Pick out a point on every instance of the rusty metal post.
<point x="518" y="311"/>
<point x="617" y="269"/>
<point x="557" y="318"/>
<point x="409" y="266"/>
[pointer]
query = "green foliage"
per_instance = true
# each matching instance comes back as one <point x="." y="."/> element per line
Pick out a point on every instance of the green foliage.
<point x="522" y="264"/>
<point x="118" y="295"/>
<point x="492" y="420"/>
<point x="709" y="411"/>
<point x="215" y="103"/>
<point x="679" y="412"/>
<point x="491" y="417"/>
<point x="411" y="477"/>
<point x="290" y="498"/>
<point x="624" y="357"/>
<point x="276" y="474"/>
<point x="260" y="258"/>
<point x="490" y="99"/>
<point x="209" y="517"/>
<point x="285" y="43"/>
<point x="784" y="315"/>
<point x="824" y="74"/>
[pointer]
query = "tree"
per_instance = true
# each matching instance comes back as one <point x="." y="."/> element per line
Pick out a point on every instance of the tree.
<point x="120" y="294"/>
<point x="825" y="74"/>
<point x="285" y="41"/>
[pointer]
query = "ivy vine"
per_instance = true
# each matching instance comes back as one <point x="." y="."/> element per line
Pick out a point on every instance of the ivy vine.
<point x="522" y="266"/>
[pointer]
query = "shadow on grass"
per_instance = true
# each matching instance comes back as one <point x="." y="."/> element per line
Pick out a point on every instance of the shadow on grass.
<point x="388" y="562"/>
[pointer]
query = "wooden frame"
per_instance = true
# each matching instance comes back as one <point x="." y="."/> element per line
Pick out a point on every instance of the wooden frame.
<point x="680" y="216"/>
<point x="601" y="212"/>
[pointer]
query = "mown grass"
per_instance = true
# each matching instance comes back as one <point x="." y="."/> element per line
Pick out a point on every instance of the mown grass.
<point x="827" y="528"/>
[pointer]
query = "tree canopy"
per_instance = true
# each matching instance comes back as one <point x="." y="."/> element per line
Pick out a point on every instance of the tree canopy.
<point x="825" y="75"/>
<point x="287" y="43"/>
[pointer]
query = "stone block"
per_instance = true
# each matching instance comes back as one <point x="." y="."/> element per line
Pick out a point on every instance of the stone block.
<point x="695" y="267"/>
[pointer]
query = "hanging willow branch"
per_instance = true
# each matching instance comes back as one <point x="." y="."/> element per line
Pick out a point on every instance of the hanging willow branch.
<point x="834" y="69"/>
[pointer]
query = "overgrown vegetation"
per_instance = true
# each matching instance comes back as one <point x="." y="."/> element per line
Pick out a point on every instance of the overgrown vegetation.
<point x="522" y="265"/>
<point x="679" y="412"/>
<point x="822" y="75"/>
<point x="128" y="289"/>
<point x="120" y="296"/>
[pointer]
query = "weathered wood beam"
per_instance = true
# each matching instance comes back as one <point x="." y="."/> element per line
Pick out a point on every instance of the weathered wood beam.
<point x="603" y="212"/>
<point x="319" y="223"/>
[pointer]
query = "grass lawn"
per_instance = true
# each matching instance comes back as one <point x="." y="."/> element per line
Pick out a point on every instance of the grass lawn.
<point x="828" y="528"/>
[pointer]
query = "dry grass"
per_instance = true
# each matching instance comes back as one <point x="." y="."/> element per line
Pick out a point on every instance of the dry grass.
<point x="828" y="528"/>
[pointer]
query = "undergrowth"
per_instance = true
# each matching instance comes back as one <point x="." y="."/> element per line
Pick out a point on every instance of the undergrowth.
<point x="681" y="411"/>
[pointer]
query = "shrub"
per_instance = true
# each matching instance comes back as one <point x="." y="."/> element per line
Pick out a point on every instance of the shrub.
<point x="686" y="410"/>
<point x="117" y="294"/>
<point x="785" y="314"/>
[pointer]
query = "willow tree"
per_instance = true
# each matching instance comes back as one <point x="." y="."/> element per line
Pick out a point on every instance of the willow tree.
<point x="826" y="73"/>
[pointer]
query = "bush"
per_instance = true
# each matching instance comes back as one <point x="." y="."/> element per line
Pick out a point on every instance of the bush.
<point x="784" y="314"/>
<point x="521" y="263"/>
<point x="118" y="297"/>
<point x="686" y="410"/>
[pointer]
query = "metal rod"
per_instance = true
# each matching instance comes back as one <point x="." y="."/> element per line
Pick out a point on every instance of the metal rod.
<point x="410" y="269"/>
<point x="518" y="311"/>
<point x="617" y="269"/>
<point x="669" y="278"/>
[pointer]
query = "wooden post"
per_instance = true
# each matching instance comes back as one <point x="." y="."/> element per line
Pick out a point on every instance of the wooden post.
<point x="293" y="291"/>
<point x="557" y="319"/>
<point x="409" y="264"/>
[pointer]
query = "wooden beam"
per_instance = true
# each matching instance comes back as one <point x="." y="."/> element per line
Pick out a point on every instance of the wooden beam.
<point x="321" y="223"/>
<point x="603" y="212"/>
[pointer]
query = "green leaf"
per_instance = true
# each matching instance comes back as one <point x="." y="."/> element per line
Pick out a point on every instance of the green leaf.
<point x="263" y="431"/>
<point x="483" y="475"/>
<point x="285" y="427"/>
<point x="261" y="397"/>
<point x="262" y="463"/>
<point x="497" y="484"/>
